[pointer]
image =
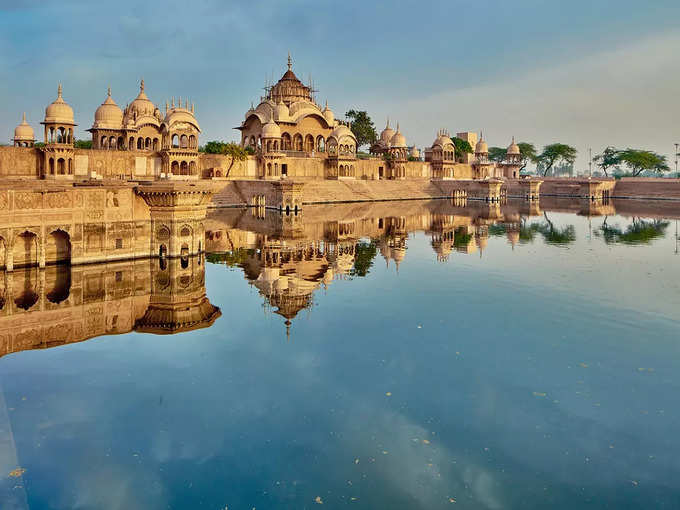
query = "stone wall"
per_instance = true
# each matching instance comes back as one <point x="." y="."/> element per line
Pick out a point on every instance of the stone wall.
<point x="19" y="163"/>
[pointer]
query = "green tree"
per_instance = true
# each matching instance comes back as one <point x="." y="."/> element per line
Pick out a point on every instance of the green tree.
<point x="365" y="252"/>
<point x="213" y="147"/>
<point x="556" y="153"/>
<point x="235" y="152"/>
<point x="527" y="152"/>
<point x="83" y="144"/>
<point x="461" y="147"/>
<point x="555" y="235"/>
<point x="610" y="157"/>
<point x="497" y="154"/>
<point x="639" y="161"/>
<point x="362" y="127"/>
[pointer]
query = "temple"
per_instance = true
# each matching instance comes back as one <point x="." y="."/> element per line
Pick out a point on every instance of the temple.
<point x="289" y="134"/>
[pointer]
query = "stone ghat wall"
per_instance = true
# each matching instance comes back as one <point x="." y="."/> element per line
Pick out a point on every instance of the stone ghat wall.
<point x="44" y="224"/>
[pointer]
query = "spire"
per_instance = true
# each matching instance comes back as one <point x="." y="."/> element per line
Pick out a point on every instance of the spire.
<point x="290" y="62"/>
<point x="513" y="138"/>
<point x="192" y="107"/>
<point x="141" y="85"/>
<point x="108" y="91"/>
<point x="173" y="101"/>
<point x="23" y="120"/>
<point x="388" y="123"/>
<point x="59" y="89"/>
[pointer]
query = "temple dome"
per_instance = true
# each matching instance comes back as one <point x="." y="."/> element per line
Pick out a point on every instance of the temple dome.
<point x="415" y="153"/>
<point x="142" y="105"/>
<point x="181" y="115"/>
<point x="387" y="133"/>
<point x="281" y="111"/>
<point x="342" y="131"/>
<point x="271" y="130"/>
<point x="108" y="115"/>
<point x="481" y="147"/>
<point x="23" y="132"/>
<point x="442" y="139"/>
<point x="398" y="140"/>
<point x="328" y="115"/>
<point x="513" y="149"/>
<point x="59" y="112"/>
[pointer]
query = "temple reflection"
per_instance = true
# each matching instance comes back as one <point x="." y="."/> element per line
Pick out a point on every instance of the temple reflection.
<point x="42" y="308"/>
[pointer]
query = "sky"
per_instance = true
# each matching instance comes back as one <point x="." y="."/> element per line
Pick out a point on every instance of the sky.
<point x="590" y="73"/>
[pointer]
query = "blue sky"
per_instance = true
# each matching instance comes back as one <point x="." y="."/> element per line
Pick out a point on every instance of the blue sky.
<point x="586" y="72"/>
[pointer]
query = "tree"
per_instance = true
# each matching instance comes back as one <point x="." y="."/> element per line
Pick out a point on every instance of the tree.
<point x="638" y="232"/>
<point x="83" y="144"/>
<point x="556" y="153"/>
<point x="235" y="152"/>
<point x="527" y="152"/>
<point x="497" y="154"/>
<point x="610" y="157"/>
<point x="461" y="147"/>
<point x="362" y="127"/>
<point x="213" y="147"/>
<point x="639" y="161"/>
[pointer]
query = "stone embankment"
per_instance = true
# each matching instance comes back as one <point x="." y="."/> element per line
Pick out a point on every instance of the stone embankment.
<point x="240" y="193"/>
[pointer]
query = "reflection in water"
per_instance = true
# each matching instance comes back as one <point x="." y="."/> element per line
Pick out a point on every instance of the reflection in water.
<point x="64" y="304"/>
<point x="287" y="258"/>
<point x="638" y="232"/>
<point x="455" y="380"/>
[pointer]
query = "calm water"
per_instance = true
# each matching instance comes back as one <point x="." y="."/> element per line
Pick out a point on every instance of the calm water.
<point x="542" y="370"/>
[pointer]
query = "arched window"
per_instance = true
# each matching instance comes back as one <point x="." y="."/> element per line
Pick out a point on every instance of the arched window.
<point x="192" y="142"/>
<point x="192" y="168"/>
<point x="70" y="166"/>
<point x="131" y="144"/>
<point x="61" y="170"/>
<point x="286" y="143"/>
<point x="121" y="143"/>
<point x="155" y="144"/>
<point x="112" y="143"/>
<point x="147" y="143"/>
<point x="175" y="141"/>
<point x="184" y="168"/>
<point x="140" y="144"/>
<point x="252" y="142"/>
<point x="309" y="143"/>
<point x="174" y="168"/>
<point x="297" y="142"/>
<point x="51" y="166"/>
<point x="320" y="144"/>
<point x="104" y="143"/>
<point x="184" y="142"/>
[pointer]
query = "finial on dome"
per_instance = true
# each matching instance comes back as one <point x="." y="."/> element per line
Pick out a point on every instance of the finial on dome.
<point x="23" y="119"/>
<point x="108" y="91"/>
<point x="397" y="127"/>
<point x="173" y="101"/>
<point x="290" y="62"/>
<point x="141" y="85"/>
<point x="388" y="123"/>
<point x="192" y="107"/>
<point x="59" y="89"/>
<point x="513" y="138"/>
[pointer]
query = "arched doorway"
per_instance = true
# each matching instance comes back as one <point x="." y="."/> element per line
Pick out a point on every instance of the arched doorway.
<point x="58" y="248"/>
<point x="25" y="251"/>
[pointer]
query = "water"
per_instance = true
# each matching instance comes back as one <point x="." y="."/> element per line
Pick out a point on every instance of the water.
<point x="541" y="371"/>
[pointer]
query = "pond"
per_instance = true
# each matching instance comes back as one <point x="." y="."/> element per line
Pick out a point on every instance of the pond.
<point x="412" y="355"/>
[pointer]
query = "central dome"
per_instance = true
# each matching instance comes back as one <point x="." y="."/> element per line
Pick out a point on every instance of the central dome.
<point x="289" y="89"/>
<point x="59" y="112"/>
<point x="142" y="105"/>
<point x="108" y="115"/>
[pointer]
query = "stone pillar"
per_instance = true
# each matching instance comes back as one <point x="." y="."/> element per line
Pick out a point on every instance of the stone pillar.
<point x="9" y="246"/>
<point x="530" y="188"/>
<point x="41" y="251"/>
<point x="491" y="190"/>
<point x="289" y="195"/>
